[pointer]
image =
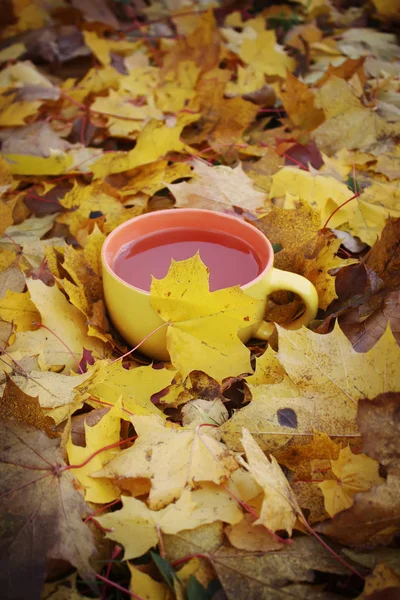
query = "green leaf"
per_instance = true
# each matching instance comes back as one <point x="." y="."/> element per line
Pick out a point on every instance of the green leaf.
<point x="195" y="591"/>
<point x="166" y="570"/>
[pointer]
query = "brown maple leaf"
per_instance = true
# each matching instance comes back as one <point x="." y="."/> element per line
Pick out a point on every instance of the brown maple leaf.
<point x="41" y="512"/>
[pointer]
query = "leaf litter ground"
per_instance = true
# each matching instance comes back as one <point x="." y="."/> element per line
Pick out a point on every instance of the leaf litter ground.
<point x="235" y="471"/>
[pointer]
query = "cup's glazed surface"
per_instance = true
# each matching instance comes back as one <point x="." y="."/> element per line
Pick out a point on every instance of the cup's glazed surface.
<point x="130" y="309"/>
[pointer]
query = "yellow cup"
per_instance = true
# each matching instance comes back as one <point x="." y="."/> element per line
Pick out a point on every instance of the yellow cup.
<point x="130" y="309"/>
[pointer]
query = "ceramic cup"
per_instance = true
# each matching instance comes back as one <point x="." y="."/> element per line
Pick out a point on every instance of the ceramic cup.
<point x="130" y="309"/>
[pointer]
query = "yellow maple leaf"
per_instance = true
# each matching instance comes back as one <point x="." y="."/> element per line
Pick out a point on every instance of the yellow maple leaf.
<point x="146" y="587"/>
<point x="26" y="164"/>
<point x="246" y="535"/>
<point x="101" y="47"/>
<point x="135" y="525"/>
<point x="178" y="87"/>
<point x="265" y="55"/>
<point x="155" y="140"/>
<point x="152" y="177"/>
<point x="348" y="123"/>
<point x="280" y="509"/>
<point x="135" y="386"/>
<point x="18" y="308"/>
<point x="123" y="117"/>
<point x="268" y="369"/>
<point x="355" y="473"/>
<point x="85" y="291"/>
<point x="62" y="340"/>
<point x="204" y="325"/>
<point x="318" y="269"/>
<point x="95" y="197"/>
<point x="105" y="433"/>
<point x="326" y="378"/>
<point x="322" y="193"/>
<point x="172" y="459"/>
<point x="248" y="80"/>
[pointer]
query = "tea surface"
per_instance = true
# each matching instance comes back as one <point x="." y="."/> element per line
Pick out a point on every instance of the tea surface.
<point x="231" y="260"/>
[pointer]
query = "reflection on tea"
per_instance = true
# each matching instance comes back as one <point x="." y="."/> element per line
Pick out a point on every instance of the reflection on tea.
<point x="230" y="259"/>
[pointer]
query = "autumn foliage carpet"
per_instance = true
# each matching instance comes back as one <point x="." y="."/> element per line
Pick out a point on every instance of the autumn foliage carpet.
<point x="240" y="472"/>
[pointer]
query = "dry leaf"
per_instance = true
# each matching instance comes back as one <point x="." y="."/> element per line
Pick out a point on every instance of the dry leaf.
<point x="354" y="473"/>
<point x="280" y="509"/>
<point x="171" y="459"/>
<point x="44" y="512"/>
<point x="217" y="188"/>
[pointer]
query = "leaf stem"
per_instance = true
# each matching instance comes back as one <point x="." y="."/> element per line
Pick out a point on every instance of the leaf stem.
<point x="85" y="462"/>
<point x="140" y="343"/>
<point x="338" y="208"/>
<point x="118" y="587"/>
<point x="328" y="548"/>
<point x="61" y="342"/>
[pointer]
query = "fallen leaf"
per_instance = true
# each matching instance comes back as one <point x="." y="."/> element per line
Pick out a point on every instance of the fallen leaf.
<point x="217" y="188"/>
<point x="83" y="200"/>
<point x="18" y="308"/>
<point x="15" y="405"/>
<point x="63" y="337"/>
<point x="280" y="509"/>
<point x="136" y="386"/>
<point x="355" y="473"/>
<point x="204" y="325"/>
<point x="146" y="587"/>
<point x="135" y="526"/>
<point x="246" y="535"/>
<point x="104" y="433"/>
<point x="154" y="141"/>
<point x="44" y="512"/>
<point x="378" y="421"/>
<point x="53" y="390"/>
<point x="299" y="459"/>
<point x="245" y="575"/>
<point x="372" y="520"/>
<point x="299" y="103"/>
<point x="265" y="55"/>
<point x="193" y="456"/>
<point x="199" y="412"/>
<point x="383" y="579"/>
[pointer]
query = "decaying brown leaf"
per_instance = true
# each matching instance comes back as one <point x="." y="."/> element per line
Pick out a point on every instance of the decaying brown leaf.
<point x="41" y="512"/>
<point x="379" y="422"/>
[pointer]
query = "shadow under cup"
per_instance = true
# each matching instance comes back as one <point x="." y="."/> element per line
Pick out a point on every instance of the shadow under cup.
<point x="129" y="306"/>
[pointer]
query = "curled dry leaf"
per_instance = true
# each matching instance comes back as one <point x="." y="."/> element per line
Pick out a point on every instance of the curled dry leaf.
<point x="280" y="509"/>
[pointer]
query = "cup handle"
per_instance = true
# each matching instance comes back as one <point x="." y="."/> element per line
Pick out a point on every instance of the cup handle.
<point x="292" y="282"/>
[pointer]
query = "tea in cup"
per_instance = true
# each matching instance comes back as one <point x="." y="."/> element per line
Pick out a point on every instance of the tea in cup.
<point x="235" y="252"/>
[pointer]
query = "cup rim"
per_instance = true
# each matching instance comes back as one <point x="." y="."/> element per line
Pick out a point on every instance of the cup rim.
<point x="115" y="232"/>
